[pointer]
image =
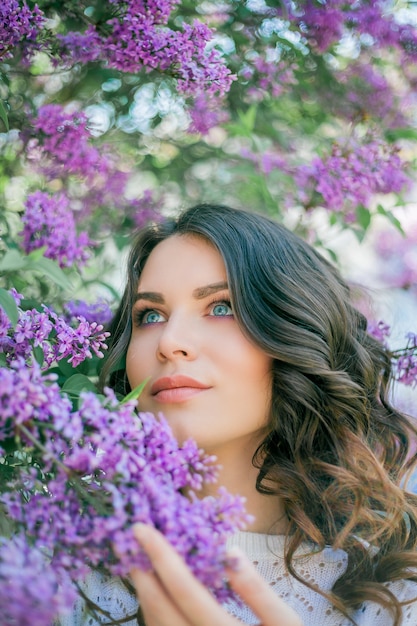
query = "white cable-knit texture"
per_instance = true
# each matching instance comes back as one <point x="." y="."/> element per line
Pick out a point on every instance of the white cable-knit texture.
<point x="321" y="569"/>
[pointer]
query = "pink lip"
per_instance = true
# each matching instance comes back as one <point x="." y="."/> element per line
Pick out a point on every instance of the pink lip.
<point x="176" y="388"/>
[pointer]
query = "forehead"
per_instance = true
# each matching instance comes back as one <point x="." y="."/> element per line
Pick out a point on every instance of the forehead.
<point x="183" y="258"/>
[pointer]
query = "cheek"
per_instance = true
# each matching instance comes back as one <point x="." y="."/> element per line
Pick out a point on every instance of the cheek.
<point x="135" y="359"/>
<point x="252" y="373"/>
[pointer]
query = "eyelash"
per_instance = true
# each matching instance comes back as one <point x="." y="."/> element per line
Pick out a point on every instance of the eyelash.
<point x="224" y="301"/>
<point x="140" y="314"/>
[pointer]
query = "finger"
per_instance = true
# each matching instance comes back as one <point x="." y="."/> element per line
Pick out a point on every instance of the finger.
<point x="257" y="594"/>
<point x="157" y="608"/>
<point x="191" y="598"/>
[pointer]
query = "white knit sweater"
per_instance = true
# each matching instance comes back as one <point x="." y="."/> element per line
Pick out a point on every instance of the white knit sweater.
<point x="266" y="551"/>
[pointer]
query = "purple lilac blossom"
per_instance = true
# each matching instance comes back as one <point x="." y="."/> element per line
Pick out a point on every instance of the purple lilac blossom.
<point x="370" y="94"/>
<point x="98" y="311"/>
<point x="269" y="78"/>
<point x="49" y="222"/>
<point x="64" y="140"/>
<point x="267" y="161"/>
<point x="350" y="175"/>
<point x="140" y="38"/>
<point x="379" y="330"/>
<point x="59" y="145"/>
<point x="105" y="468"/>
<point x="206" y="112"/>
<point x="19" y="24"/>
<point x="57" y="338"/>
<point x="32" y="593"/>
<point x="324" y="25"/>
<point x="145" y="209"/>
<point x="406" y="362"/>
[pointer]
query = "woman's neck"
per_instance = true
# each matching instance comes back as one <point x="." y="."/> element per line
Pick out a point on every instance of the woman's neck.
<point x="238" y="475"/>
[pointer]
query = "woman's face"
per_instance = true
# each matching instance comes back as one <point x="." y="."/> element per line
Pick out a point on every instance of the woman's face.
<point x="205" y="376"/>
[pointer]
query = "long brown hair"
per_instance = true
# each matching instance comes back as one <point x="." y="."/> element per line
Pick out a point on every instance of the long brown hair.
<point x="337" y="452"/>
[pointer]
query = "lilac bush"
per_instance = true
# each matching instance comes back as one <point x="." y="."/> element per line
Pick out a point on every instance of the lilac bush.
<point x="350" y="175"/>
<point x="93" y="473"/>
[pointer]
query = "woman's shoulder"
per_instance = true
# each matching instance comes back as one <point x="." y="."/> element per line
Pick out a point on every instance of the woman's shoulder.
<point x="322" y="569"/>
<point x="372" y="614"/>
<point x="109" y="594"/>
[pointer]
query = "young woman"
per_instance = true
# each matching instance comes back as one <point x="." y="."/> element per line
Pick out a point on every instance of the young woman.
<point x="252" y="346"/>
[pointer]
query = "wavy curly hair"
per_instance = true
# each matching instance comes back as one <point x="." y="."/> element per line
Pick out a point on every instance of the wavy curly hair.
<point x="337" y="452"/>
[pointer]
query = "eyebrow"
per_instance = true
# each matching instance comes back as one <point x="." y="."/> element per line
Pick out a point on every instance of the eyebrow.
<point x="203" y="292"/>
<point x="199" y="293"/>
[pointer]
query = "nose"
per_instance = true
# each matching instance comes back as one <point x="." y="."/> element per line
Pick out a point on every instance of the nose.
<point x="176" y="340"/>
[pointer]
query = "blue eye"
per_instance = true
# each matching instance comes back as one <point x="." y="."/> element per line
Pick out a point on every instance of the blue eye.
<point x="148" y="316"/>
<point x="222" y="309"/>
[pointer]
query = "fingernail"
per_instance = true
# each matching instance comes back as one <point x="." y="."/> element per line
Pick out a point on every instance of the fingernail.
<point x="235" y="558"/>
<point x="141" y="532"/>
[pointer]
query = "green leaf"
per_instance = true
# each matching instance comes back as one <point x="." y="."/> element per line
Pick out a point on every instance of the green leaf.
<point x="53" y="271"/>
<point x="78" y="383"/>
<point x="332" y="254"/>
<point x="392" y="134"/>
<point x="135" y="393"/>
<point x="394" y="221"/>
<point x="3" y="115"/>
<point x="9" y="306"/>
<point x="248" y="118"/>
<point x="364" y="216"/>
<point x="39" y="355"/>
<point x="68" y="370"/>
<point x="37" y="254"/>
<point x="13" y="260"/>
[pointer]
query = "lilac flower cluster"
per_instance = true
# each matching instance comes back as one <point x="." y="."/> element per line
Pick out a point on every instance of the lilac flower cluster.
<point x="99" y="311"/>
<point x="137" y="37"/>
<point x="26" y="582"/>
<point x="206" y="112"/>
<point x="103" y="468"/>
<point x="406" y="362"/>
<point x="269" y="78"/>
<point x="60" y="145"/>
<point x="145" y="209"/>
<point x="18" y="24"/>
<point x="49" y="222"/>
<point x="379" y="330"/>
<point x="63" y="140"/>
<point x="49" y="332"/>
<point x="323" y="25"/>
<point x="266" y="161"/>
<point x="350" y="176"/>
<point x="369" y="93"/>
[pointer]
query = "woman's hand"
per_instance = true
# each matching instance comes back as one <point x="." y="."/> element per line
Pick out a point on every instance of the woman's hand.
<point x="170" y="595"/>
